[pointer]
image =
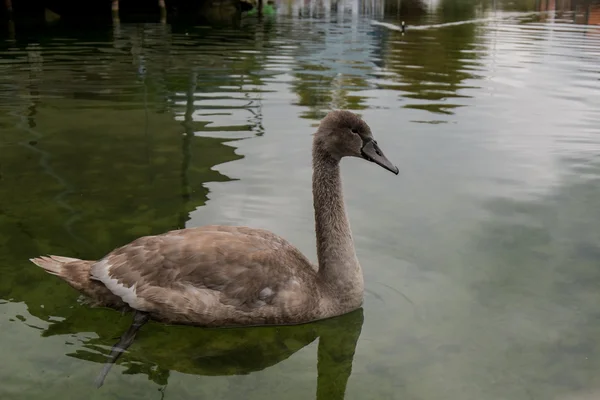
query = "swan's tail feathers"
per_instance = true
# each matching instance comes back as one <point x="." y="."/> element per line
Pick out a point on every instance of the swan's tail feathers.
<point x="74" y="271"/>
<point x="77" y="273"/>
<point x="53" y="264"/>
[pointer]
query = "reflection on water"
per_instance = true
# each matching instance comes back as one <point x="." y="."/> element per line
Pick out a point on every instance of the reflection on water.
<point x="584" y="12"/>
<point x="480" y="258"/>
<point x="165" y="349"/>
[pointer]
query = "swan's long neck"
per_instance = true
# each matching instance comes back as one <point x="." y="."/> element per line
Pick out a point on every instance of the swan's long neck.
<point x="339" y="268"/>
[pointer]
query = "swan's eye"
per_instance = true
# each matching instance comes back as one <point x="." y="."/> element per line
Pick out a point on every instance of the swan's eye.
<point x="354" y="130"/>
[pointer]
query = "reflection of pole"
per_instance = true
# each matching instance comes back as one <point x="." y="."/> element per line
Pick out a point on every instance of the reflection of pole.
<point x="115" y="12"/>
<point x="163" y="11"/>
<point x="260" y="8"/>
<point x="28" y="124"/>
<point x="34" y="93"/>
<point x="587" y="14"/>
<point x="185" y="146"/>
<point x="11" y="23"/>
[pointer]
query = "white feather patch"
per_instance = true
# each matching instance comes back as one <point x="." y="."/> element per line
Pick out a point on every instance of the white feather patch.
<point x="266" y="292"/>
<point x="101" y="272"/>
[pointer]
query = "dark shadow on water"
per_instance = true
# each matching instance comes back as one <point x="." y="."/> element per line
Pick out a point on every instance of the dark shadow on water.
<point x="159" y="349"/>
<point x="44" y="14"/>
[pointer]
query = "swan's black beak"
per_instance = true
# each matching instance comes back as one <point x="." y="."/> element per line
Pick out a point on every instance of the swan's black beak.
<point x="371" y="152"/>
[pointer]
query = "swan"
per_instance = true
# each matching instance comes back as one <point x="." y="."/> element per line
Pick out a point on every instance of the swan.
<point x="222" y="276"/>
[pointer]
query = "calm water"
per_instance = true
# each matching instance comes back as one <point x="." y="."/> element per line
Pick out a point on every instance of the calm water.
<point x="481" y="259"/>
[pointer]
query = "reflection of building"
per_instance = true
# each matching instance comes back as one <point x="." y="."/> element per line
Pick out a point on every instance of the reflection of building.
<point x="335" y="68"/>
<point x="546" y="5"/>
<point x="585" y="12"/>
<point x="594" y="14"/>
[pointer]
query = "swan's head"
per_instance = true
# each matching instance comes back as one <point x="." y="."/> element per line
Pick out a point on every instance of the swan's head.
<point x="345" y="134"/>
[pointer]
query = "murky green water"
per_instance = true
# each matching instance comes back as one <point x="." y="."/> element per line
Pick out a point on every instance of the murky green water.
<point x="481" y="259"/>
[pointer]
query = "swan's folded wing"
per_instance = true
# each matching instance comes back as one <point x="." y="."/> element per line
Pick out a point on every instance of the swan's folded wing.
<point x="200" y="270"/>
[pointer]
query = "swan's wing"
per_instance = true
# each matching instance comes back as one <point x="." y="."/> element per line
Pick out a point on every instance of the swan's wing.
<point x="205" y="271"/>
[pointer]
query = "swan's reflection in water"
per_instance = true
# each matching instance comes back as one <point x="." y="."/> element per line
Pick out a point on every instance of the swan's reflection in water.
<point x="159" y="349"/>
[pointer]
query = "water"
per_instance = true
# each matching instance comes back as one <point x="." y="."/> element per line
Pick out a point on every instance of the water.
<point x="481" y="259"/>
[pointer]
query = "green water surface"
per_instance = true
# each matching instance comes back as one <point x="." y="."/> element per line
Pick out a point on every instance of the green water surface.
<point x="481" y="258"/>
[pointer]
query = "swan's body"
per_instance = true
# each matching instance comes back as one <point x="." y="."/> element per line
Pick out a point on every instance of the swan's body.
<point x="210" y="276"/>
<point x="228" y="276"/>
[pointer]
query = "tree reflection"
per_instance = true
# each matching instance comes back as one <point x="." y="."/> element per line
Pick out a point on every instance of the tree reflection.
<point x="106" y="150"/>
